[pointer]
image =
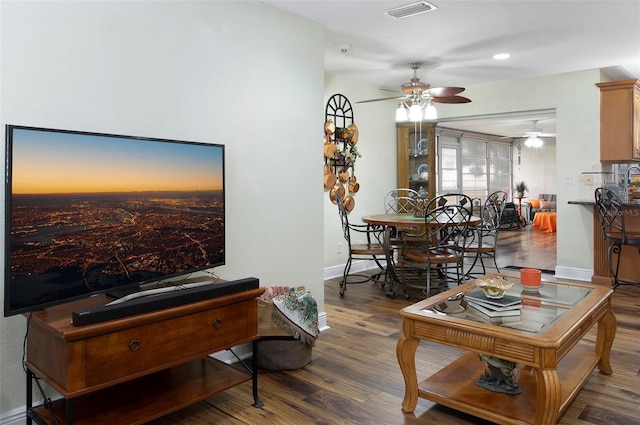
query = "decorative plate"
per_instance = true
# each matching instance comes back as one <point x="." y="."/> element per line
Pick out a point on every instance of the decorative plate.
<point x="449" y="308"/>
<point x="422" y="168"/>
<point x="452" y="305"/>
<point x="421" y="146"/>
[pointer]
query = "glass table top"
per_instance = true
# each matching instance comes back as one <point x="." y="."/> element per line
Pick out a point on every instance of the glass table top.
<point x="540" y="307"/>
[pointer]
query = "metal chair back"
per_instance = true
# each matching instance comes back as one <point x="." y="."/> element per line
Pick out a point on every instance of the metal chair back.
<point x="372" y="249"/>
<point x="400" y="201"/>
<point x="610" y="214"/>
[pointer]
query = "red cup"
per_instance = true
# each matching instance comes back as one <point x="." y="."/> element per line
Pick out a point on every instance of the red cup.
<point x="530" y="277"/>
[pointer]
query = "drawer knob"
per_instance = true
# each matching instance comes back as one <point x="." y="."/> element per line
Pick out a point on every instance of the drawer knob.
<point x="134" y="344"/>
<point x="217" y="323"/>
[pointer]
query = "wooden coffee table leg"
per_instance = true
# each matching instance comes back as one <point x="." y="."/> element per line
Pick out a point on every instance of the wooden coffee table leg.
<point x="548" y="396"/>
<point x="406" y="352"/>
<point x="606" y="332"/>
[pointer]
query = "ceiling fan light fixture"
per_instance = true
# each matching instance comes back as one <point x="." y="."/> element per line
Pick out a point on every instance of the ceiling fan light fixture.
<point x="401" y="112"/>
<point x="410" y="10"/>
<point x="430" y="112"/>
<point x="533" y="142"/>
<point x="415" y="112"/>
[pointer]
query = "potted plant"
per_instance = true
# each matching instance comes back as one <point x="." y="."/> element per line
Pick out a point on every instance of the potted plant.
<point x="349" y="155"/>
<point x="521" y="188"/>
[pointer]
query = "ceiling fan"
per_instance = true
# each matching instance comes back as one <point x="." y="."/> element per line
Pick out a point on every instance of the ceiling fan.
<point x="416" y="94"/>
<point x="533" y="136"/>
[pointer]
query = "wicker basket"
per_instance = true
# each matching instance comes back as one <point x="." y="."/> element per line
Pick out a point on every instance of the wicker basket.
<point x="284" y="352"/>
<point x="287" y="354"/>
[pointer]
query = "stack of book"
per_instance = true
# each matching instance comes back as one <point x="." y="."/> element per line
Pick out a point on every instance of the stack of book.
<point x="506" y="309"/>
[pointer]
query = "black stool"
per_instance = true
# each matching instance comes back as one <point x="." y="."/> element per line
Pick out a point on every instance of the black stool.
<point x="611" y="216"/>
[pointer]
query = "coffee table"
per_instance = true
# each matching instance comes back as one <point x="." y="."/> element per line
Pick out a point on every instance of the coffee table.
<point x="552" y="370"/>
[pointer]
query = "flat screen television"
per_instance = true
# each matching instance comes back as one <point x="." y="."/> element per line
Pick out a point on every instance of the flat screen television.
<point x="87" y="213"/>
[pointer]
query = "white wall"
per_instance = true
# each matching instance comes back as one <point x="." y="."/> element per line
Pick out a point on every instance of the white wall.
<point x="537" y="168"/>
<point x="238" y="73"/>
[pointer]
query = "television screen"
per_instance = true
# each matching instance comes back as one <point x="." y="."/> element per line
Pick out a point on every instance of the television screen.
<point x="88" y="212"/>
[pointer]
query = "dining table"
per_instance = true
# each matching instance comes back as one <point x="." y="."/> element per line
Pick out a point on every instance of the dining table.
<point x="401" y="222"/>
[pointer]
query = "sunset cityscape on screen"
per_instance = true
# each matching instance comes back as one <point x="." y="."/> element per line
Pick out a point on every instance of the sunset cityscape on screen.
<point x="89" y="212"/>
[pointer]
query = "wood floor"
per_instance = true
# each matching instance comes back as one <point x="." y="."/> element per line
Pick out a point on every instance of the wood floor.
<point x="528" y="247"/>
<point x="354" y="376"/>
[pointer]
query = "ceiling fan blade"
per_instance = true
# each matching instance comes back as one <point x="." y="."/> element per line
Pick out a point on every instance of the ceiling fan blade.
<point x="451" y="99"/>
<point x="415" y="90"/>
<point x="382" y="98"/>
<point x="391" y="91"/>
<point x="526" y="136"/>
<point x="444" y="91"/>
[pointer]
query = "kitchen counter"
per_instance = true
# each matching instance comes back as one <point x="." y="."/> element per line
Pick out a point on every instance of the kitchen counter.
<point x="592" y="202"/>
<point x="629" y="257"/>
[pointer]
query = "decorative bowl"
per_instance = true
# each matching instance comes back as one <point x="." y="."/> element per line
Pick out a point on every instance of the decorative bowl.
<point x="494" y="287"/>
<point x="344" y="133"/>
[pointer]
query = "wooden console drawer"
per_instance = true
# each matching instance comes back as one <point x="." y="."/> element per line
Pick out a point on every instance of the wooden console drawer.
<point x="157" y="345"/>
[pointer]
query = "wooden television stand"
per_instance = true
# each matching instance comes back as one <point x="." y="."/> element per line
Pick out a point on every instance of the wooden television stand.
<point x="138" y="368"/>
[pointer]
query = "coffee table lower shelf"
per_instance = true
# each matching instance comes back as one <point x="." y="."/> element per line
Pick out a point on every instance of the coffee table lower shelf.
<point x="150" y="397"/>
<point x="455" y="387"/>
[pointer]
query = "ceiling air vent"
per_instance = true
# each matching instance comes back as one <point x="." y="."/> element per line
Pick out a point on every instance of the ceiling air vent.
<point x="411" y="9"/>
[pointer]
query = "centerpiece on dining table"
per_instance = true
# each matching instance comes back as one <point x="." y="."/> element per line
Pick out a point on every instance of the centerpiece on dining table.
<point x="421" y="202"/>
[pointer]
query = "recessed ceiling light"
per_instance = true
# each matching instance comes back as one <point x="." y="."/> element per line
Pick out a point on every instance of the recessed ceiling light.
<point x="501" y="56"/>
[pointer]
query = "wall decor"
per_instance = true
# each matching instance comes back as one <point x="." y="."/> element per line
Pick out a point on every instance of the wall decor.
<point x="341" y="136"/>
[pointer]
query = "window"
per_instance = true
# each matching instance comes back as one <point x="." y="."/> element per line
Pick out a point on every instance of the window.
<point x="448" y="158"/>
<point x="486" y="167"/>
<point x="500" y="167"/>
<point x="473" y="166"/>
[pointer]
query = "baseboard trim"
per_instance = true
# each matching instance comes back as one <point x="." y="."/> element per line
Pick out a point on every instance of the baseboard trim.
<point x="14" y="417"/>
<point x="333" y="272"/>
<point x="574" y="273"/>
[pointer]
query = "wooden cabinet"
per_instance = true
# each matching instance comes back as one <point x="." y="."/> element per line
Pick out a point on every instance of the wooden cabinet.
<point x="416" y="156"/>
<point x="620" y="121"/>
<point x="132" y="370"/>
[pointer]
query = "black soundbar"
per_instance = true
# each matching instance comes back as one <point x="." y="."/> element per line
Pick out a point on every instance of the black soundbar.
<point x="160" y="301"/>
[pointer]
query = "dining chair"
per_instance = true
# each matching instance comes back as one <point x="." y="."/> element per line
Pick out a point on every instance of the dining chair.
<point x="371" y="249"/>
<point x="486" y="240"/>
<point x="611" y="215"/>
<point x="447" y="237"/>
<point x="399" y="201"/>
